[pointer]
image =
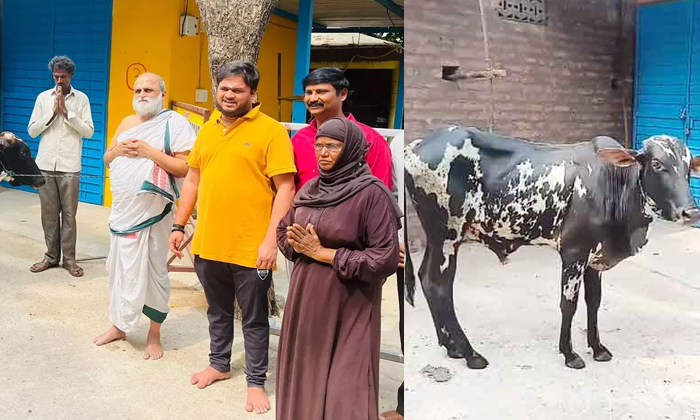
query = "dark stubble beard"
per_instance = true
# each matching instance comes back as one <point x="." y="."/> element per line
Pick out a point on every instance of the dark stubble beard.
<point x="238" y="113"/>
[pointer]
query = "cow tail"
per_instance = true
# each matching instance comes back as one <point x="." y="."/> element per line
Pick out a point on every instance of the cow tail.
<point x="409" y="275"/>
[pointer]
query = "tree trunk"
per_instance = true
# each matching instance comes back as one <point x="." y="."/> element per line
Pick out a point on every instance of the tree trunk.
<point x="235" y="29"/>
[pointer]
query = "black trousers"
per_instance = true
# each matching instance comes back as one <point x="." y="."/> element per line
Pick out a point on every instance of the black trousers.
<point x="223" y="283"/>
<point x="399" y="286"/>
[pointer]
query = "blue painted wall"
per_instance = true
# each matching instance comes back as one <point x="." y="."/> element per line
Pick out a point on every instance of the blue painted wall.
<point x="694" y="97"/>
<point x="33" y="32"/>
<point x="667" y="85"/>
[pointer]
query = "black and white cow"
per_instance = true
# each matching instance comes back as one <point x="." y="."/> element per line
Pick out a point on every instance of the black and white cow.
<point x="16" y="158"/>
<point x="592" y="202"/>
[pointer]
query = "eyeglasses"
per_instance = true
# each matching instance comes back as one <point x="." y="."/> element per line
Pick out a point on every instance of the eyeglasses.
<point x="330" y="147"/>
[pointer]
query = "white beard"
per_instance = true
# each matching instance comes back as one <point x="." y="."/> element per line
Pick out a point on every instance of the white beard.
<point x="149" y="108"/>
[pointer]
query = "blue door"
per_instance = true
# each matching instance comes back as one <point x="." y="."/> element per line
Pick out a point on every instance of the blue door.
<point x="694" y="99"/>
<point x="667" y="97"/>
<point x="34" y="31"/>
<point x="663" y="69"/>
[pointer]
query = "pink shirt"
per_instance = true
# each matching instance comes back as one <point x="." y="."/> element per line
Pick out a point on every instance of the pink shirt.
<point x="378" y="157"/>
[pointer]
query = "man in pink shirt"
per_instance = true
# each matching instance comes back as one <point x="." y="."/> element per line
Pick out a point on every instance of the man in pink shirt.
<point x="325" y="89"/>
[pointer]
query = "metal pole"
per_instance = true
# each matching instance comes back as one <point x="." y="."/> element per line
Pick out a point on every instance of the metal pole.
<point x="279" y="86"/>
<point x="398" y="114"/>
<point x="303" y="56"/>
<point x="91" y="259"/>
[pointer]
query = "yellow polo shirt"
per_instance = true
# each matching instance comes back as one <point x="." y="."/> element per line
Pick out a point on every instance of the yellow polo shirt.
<point x="236" y="191"/>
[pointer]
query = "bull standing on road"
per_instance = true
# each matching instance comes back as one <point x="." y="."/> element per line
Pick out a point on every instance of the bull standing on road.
<point x="592" y="202"/>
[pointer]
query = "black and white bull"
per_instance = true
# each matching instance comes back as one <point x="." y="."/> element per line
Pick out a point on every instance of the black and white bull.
<point x="592" y="202"/>
<point x="16" y="160"/>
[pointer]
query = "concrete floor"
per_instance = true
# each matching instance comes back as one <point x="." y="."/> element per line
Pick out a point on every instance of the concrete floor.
<point x="49" y="368"/>
<point x="649" y="319"/>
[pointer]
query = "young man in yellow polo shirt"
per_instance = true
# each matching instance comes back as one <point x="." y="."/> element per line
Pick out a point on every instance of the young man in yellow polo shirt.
<point x="242" y="176"/>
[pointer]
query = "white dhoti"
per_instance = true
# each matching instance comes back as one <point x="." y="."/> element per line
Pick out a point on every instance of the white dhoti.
<point x="140" y="223"/>
<point x="138" y="279"/>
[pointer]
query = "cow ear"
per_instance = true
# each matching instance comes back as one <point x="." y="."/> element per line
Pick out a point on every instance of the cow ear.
<point x="695" y="166"/>
<point x="619" y="157"/>
<point x="8" y="137"/>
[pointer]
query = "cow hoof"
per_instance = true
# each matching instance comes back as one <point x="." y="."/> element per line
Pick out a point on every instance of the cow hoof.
<point x="455" y="354"/>
<point x="476" y="361"/>
<point x="602" y="355"/>
<point x="575" y="362"/>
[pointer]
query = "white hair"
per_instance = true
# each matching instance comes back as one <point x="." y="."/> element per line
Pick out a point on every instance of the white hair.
<point x="161" y="82"/>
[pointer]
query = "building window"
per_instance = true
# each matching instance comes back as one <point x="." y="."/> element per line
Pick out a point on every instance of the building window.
<point x="529" y="11"/>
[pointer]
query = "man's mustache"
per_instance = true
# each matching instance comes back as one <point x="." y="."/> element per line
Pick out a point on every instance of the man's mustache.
<point x="317" y="103"/>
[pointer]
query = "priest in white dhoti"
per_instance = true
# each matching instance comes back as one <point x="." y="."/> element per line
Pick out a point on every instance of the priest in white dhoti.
<point x="147" y="161"/>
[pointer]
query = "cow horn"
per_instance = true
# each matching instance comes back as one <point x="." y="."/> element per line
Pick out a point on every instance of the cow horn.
<point x="695" y="165"/>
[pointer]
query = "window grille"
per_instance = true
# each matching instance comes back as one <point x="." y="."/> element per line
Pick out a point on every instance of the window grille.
<point x="528" y="11"/>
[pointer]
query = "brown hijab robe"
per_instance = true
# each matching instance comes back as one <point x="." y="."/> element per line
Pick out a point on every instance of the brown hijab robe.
<point x="349" y="175"/>
<point x="328" y="354"/>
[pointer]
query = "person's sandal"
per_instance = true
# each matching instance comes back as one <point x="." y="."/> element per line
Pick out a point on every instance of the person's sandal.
<point x="42" y="266"/>
<point x="74" y="270"/>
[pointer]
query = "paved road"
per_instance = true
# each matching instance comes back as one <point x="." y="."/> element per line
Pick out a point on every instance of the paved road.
<point x="649" y="319"/>
<point x="49" y="368"/>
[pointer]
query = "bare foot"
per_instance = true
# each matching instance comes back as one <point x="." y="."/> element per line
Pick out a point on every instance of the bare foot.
<point x="208" y="376"/>
<point x="154" y="351"/>
<point x="257" y="401"/>
<point x="390" y="415"/>
<point x="112" y="334"/>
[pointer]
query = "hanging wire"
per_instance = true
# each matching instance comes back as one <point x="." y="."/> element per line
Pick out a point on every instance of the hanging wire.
<point x="398" y="49"/>
<point x="489" y="64"/>
<point x="12" y="174"/>
<point x="390" y="19"/>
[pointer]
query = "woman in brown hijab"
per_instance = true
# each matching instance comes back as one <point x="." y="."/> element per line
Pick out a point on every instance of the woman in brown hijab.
<point x="341" y="234"/>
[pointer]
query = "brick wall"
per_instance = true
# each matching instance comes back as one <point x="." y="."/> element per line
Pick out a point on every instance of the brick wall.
<point x="560" y="76"/>
<point x="559" y="83"/>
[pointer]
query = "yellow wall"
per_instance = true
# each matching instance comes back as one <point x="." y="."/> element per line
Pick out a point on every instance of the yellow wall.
<point x="138" y="42"/>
